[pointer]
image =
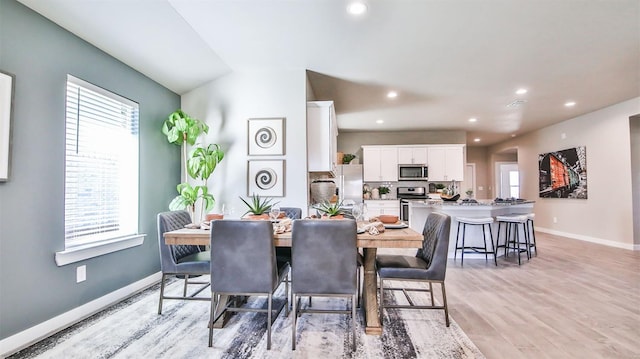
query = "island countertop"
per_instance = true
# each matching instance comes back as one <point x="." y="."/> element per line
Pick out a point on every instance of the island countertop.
<point x="419" y="210"/>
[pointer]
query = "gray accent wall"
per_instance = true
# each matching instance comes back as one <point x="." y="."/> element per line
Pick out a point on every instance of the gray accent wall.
<point x="40" y="54"/>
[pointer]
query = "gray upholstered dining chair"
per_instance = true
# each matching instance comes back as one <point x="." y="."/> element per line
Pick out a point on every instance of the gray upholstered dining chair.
<point x="183" y="261"/>
<point x="324" y="263"/>
<point x="429" y="265"/>
<point x="244" y="263"/>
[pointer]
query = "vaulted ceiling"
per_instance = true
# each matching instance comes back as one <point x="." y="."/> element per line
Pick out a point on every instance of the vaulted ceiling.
<point x="448" y="61"/>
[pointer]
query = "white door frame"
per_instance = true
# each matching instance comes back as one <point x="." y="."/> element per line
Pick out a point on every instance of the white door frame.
<point x="500" y="166"/>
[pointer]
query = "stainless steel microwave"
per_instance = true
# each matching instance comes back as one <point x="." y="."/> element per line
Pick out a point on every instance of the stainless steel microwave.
<point x="413" y="172"/>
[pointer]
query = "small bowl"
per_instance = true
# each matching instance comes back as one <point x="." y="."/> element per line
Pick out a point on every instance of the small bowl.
<point x="388" y="219"/>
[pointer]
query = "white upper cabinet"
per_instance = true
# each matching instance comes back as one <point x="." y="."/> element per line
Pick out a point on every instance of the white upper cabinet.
<point x="322" y="136"/>
<point x="380" y="163"/>
<point x="412" y="155"/>
<point x="446" y="163"/>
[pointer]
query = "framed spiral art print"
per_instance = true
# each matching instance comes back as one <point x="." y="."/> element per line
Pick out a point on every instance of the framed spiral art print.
<point x="266" y="136"/>
<point x="266" y="178"/>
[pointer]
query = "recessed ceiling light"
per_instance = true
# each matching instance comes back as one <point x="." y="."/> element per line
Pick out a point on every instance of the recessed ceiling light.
<point x="476" y="140"/>
<point x="392" y="94"/>
<point x="513" y="135"/>
<point x="357" y="8"/>
<point x="379" y="121"/>
<point x="569" y="104"/>
<point x="521" y="91"/>
<point x="473" y="119"/>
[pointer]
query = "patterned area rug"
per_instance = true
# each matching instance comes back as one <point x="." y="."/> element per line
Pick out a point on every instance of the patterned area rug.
<point x="133" y="329"/>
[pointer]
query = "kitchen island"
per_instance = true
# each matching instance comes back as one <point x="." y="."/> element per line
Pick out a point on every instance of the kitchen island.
<point x="419" y="210"/>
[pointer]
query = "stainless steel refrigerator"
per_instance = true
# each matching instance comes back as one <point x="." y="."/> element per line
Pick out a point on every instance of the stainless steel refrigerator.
<point x="349" y="183"/>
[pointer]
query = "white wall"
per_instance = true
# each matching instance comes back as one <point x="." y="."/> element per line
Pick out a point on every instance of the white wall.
<point x="607" y="215"/>
<point x="227" y="103"/>
<point x="634" y="126"/>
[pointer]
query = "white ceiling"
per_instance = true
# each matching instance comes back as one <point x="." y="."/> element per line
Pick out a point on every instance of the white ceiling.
<point x="449" y="60"/>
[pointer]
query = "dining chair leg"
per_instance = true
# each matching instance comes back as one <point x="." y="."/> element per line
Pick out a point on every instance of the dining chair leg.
<point x="286" y="295"/>
<point x="212" y="311"/>
<point x="270" y="298"/>
<point x="353" y="322"/>
<point x="186" y="282"/>
<point x="293" y="325"/>
<point x="161" y="293"/>
<point x="444" y="301"/>
<point x="431" y="292"/>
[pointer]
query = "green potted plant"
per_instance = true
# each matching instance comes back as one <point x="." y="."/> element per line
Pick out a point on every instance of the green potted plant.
<point x="469" y="193"/>
<point x="258" y="207"/>
<point x="347" y="158"/>
<point x="330" y="210"/>
<point x="383" y="191"/>
<point x="183" y="130"/>
<point x="439" y="187"/>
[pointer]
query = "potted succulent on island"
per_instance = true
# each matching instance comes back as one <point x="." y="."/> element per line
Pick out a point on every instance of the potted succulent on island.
<point x="469" y="193"/>
<point x="330" y="210"/>
<point x="384" y="191"/>
<point x="258" y="207"/>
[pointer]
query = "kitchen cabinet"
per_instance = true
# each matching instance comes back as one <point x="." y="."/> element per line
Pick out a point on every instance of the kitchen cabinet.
<point x="380" y="163"/>
<point x="446" y="163"/>
<point x="412" y="155"/>
<point x="322" y="136"/>
<point x="378" y="207"/>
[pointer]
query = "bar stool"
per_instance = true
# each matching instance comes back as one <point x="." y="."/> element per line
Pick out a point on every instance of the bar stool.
<point x="511" y="223"/>
<point x="475" y="221"/>
<point x="532" y="234"/>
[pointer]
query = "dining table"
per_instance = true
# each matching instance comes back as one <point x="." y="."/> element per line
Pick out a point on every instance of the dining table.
<point x="403" y="237"/>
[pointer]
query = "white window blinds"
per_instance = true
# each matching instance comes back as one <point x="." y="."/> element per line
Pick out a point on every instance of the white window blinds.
<point x="101" y="165"/>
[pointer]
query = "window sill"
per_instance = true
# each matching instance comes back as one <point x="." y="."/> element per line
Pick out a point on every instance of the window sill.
<point x="77" y="254"/>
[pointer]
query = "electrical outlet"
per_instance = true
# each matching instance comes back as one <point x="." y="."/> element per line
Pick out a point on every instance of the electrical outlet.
<point x="81" y="273"/>
<point x="480" y="188"/>
<point x="555" y="219"/>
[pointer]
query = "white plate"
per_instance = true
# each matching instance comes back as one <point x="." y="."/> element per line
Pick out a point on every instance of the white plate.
<point x="396" y="225"/>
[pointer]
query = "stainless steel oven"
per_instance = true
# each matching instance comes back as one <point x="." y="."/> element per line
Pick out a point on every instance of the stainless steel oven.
<point x="408" y="193"/>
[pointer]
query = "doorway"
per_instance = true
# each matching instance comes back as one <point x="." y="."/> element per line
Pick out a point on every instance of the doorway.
<point x="507" y="180"/>
<point x="469" y="180"/>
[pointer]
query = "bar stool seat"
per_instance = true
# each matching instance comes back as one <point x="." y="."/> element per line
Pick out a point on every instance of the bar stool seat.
<point x="477" y="221"/>
<point x="511" y="223"/>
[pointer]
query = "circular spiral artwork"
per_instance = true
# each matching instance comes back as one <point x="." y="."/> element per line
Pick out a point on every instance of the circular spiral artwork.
<point x="266" y="178"/>
<point x="266" y="137"/>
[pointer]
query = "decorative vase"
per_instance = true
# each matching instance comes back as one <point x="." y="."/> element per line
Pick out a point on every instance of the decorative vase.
<point x="322" y="191"/>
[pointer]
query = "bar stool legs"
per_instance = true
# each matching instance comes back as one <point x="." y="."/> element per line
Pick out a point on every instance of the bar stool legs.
<point x="513" y="241"/>
<point x="484" y="221"/>
<point x="531" y="231"/>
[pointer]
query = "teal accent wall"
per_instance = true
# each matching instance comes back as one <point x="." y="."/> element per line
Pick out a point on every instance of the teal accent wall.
<point x="40" y="54"/>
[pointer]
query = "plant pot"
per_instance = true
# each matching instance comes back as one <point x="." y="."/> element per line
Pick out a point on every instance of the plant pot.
<point x="213" y="216"/>
<point x="337" y="216"/>
<point x="256" y="217"/>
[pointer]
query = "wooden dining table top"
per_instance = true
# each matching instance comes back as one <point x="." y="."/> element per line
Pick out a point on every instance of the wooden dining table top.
<point x="390" y="238"/>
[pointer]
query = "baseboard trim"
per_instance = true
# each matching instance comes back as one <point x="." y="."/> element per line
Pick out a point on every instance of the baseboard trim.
<point x="23" y="339"/>
<point x="606" y="242"/>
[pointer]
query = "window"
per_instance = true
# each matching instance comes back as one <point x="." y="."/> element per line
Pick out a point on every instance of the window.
<point x="101" y="165"/>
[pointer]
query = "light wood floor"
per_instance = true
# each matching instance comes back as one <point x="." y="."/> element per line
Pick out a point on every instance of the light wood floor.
<point x="574" y="300"/>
